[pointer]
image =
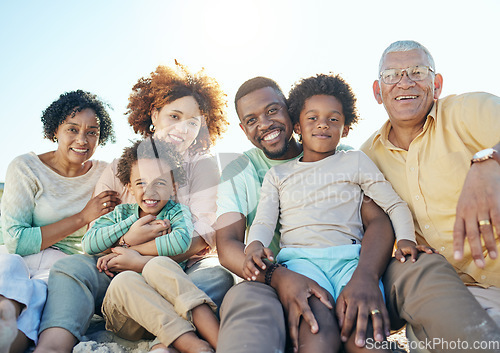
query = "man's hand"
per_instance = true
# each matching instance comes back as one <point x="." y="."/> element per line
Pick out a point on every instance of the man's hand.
<point x="478" y="211"/>
<point x="294" y="291"/>
<point x="253" y="264"/>
<point x="360" y="299"/>
<point x="408" y="247"/>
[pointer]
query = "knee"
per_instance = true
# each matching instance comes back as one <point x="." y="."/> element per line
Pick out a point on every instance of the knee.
<point x="160" y="264"/>
<point x="213" y="277"/>
<point x="121" y="283"/>
<point x="74" y="266"/>
<point x="252" y="298"/>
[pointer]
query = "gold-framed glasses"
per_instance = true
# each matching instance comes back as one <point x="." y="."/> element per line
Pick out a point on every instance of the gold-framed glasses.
<point x="415" y="73"/>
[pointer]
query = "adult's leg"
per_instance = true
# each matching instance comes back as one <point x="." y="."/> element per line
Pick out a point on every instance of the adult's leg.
<point x="215" y="280"/>
<point x="76" y="290"/>
<point x="489" y="298"/>
<point x="252" y="320"/>
<point x="429" y="295"/>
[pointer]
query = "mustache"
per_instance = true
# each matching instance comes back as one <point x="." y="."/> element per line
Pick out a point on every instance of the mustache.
<point x="274" y="127"/>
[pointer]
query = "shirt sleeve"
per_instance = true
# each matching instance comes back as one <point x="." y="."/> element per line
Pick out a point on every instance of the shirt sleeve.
<point x="375" y="186"/>
<point x="232" y="191"/>
<point x="108" y="229"/>
<point x="479" y="117"/>
<point x="178" y="240"/>
<point x="264" y="224"/>
<point x="18" y="203"/>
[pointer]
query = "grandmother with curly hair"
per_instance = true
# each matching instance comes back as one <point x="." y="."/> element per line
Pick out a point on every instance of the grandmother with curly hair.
<point x="189" y="111"/>
<point x="46" y="206"/>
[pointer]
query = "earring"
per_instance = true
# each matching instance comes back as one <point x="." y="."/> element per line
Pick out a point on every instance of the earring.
<point x="54" y="139"/>
<point x="152" y="128"/>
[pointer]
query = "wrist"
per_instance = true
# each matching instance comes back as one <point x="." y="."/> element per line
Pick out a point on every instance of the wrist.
<point x="81" y="219"/>
<point x="486" y="154"/>
<point x="273" y="272"/>
<point x="365" y="276"/>
<point x="123" y="243"/>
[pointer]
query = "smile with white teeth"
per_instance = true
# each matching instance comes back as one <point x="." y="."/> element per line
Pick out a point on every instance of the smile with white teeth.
<point x="151" y="202"/>
<point x="79" y="150"/>
<point x="176" y="138"/>
<point x="272" y="135"/>
<point x="405" y="97"/>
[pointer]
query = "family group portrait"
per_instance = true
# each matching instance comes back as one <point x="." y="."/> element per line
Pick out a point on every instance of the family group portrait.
<point x="249" y="176"/>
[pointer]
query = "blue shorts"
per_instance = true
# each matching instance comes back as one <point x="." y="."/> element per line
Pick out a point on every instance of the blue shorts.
<point x="330" y="267"/>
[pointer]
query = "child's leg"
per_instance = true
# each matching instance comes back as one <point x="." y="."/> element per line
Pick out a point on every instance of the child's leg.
<point x="172" y="283"/>
<point x="132" y="308"/>
<point x="191" y="343"/>
<point x="206" y="323"/>
<point x="327" y="339"/>
<point x="161" y="348"/>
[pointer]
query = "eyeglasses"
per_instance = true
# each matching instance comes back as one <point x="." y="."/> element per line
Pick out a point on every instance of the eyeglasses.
<point x="415" y="73"/>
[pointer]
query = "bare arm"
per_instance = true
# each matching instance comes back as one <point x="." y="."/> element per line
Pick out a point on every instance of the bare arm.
<point x="362" y="294"/>
<point x="95" y="208"/>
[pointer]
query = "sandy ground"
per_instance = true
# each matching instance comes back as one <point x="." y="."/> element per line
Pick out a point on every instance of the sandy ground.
<point x="101" y="341"/>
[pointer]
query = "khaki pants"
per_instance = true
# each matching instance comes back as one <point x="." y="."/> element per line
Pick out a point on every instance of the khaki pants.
<point x="252" y="320"/>
<point x="158" y="302"/>
<point x="429" y="296"/>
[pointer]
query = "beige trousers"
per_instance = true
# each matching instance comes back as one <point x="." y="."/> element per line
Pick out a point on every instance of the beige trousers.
<point x="157" y="303"/>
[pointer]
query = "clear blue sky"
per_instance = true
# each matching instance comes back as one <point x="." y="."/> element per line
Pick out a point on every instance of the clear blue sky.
<point x="104" y="46"/>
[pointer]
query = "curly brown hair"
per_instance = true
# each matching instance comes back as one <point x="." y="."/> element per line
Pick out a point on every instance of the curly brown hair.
<point x="150" y="149"/>
<point x="166" y="85"/>
<point x="321" y="84"/>
<point x="73" y="102"/>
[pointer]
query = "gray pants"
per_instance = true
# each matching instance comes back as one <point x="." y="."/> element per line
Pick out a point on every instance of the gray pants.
<point x="428" y="294"/>
<point x="76" y="290"/>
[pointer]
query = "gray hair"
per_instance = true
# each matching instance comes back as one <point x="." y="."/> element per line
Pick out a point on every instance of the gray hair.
<point x="406" y="45"/>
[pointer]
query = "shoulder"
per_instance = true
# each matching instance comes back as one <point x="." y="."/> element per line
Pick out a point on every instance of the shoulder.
<point x="371" y="141"/>
<point x="27" y="159"/>
<point x="99" y="166"/>
<point x="175" y="207"/>
<point x="468" y="102"/>
<point x="125" y="208"/>
<point x="26" y="164"/>
<point x="234" y="164"/>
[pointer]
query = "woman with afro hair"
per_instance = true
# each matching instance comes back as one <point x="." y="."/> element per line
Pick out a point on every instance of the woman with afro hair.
<point x="189" y="111"/>
<point x="46" y="206"/>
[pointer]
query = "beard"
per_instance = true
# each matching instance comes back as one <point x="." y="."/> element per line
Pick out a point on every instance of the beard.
<point x="278" y="153"/>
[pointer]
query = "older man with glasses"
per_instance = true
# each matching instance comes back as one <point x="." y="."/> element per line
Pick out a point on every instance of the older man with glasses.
<point x="442" y="157"/>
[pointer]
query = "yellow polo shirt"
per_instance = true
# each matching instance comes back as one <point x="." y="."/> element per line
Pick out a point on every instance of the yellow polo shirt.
<point x="430" y="175"/>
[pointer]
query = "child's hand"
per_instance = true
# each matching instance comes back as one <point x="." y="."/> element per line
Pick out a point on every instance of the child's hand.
<point x="146" y="229"/>
<point x="255" y="252"/>
<point x="164" y="224"/>
<point x="102" y="264"/>
<point x="407" y="247"/>
<point x="127" y="260"/>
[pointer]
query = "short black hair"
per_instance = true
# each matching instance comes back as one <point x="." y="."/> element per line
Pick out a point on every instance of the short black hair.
<point x="254" y="84"/>
<point x="73" y="102"/>
<point x="150" y="148"/>
<point x="329" y="85"/>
